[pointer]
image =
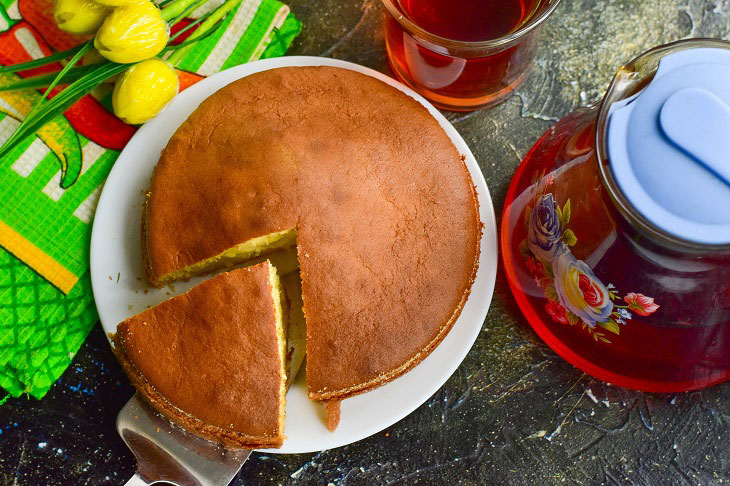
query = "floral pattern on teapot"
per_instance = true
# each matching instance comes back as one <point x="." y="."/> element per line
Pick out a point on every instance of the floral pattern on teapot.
<point x="574" y="294"/>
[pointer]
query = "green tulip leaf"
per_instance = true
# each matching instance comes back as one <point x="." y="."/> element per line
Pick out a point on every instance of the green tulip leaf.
<point x="572" y="318"/>
<point x="551" y="293"/>
<point x="565" y="214"/>
<point x="547" y="266"/>
<point x="610" y="326"/>
<point x="569" y="238"/>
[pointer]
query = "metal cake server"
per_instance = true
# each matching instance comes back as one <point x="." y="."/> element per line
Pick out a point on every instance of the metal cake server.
<point x="167" y="453"/>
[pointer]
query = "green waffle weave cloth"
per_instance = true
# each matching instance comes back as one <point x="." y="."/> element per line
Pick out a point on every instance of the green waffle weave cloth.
<point x="46" y="303"/>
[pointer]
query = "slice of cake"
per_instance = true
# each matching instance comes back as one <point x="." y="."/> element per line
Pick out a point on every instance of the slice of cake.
<point x="212" y="359"/>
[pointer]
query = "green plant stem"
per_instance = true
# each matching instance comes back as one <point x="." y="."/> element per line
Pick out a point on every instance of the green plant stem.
<point x="77" y="57"/>
<point x="204" y="27"/>
<point x="43" y="80"/>
<point x="58" y="56"/>
<point x="76" y="73"/>
<point x="192" y="40"/>
<point x="191" y="25"/>
<point x="61" y="102"/>
<point x="176" y="8"/>
<point x="194" y="6"/>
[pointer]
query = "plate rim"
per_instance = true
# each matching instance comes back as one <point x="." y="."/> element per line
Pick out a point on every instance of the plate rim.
<point x="488" y="261"/>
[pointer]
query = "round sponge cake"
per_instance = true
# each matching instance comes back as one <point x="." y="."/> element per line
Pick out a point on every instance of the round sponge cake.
<point x="361" y="178"/>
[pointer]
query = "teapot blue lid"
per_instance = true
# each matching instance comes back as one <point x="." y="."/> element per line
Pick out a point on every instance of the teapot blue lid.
<point x="669" y="146"/>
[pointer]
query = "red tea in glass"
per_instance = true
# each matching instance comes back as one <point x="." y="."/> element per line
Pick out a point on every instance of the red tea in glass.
<point x="464" y="55"/>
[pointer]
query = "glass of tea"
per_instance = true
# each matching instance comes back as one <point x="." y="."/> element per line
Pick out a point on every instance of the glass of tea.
<point x="467" y="54"/>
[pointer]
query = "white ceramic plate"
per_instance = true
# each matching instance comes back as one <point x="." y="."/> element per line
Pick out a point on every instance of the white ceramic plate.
<point x="120" y="288"/>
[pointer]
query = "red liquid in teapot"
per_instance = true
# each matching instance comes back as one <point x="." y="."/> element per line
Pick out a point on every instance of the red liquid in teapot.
<point x="457" y="80"/>
<point x="678" y="339"/>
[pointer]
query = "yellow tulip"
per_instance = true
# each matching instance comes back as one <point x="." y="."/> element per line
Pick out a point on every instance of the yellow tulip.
<point x="118" y="3"/>
<point x="79" y="16"/>
<point x="143" y="90"/>
<point x="132" y="33"/>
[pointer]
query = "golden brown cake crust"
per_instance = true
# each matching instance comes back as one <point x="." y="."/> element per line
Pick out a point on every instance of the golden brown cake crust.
<point x="385" y="210"/>
<point x="209" y="359"/>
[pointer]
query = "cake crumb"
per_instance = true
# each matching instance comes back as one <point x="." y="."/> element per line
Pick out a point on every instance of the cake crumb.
<point x="333" y="414"/>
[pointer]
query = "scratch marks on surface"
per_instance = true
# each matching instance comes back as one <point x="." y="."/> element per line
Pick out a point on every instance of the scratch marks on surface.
<point x="309" y="464"/>
<point x="589" y="394"/>
<point x="514" y="151"/>
<point x="454" y="393"/>
<point x="21" y="463"/>
<point x="542" y="92"/>
<point x="570" y="389"/>
<point x="367" y="7"/>
<point x="473" y="457"/>
<point x="586" y="447"/>
<point x="645" y="414"/>
<point x="456" y="118"/>
<point x="559" y="428"/>
<point x="679" y="471"/>
<point x="522" y="380"/>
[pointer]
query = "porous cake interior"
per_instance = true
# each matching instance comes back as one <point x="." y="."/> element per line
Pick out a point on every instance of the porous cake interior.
<point x="251" y="252"/>
<point x="276" y="294"/>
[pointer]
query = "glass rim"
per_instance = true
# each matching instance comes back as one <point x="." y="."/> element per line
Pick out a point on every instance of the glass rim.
<point x="628" y="80"/>
<point x="535" y="21"/>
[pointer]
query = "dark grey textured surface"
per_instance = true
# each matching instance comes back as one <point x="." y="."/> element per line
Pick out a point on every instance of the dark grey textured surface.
<point x="513" y="412"/>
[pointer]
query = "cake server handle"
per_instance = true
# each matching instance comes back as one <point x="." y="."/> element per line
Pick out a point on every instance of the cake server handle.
<point x="136" y="480"/>
<point x="167" y="453"/>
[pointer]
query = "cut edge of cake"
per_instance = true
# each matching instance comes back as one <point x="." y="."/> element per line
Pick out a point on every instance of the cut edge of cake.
<point x="281" y="336"/>
<point x="250" y="252"/>
<point x="227" y="437"/>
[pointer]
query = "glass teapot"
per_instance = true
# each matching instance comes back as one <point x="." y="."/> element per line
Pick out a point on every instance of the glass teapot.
<point x="616" y="227"/>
